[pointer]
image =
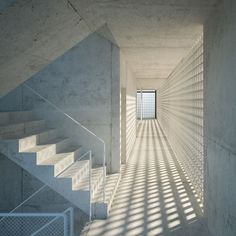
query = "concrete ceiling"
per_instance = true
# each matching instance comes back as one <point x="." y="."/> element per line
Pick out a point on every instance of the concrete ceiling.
<point x="154" y="35"/>
<point x="149" y="83"/>
<point x="32" y="34"/>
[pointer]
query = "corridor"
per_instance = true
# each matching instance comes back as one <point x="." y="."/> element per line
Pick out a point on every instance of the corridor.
<point x="154" y="196"/>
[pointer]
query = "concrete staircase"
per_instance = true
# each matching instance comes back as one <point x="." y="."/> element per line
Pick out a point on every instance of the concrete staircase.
<point x="53" y="159"/>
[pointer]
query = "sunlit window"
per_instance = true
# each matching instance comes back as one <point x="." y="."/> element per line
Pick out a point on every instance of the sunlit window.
<point x="146" y="104"/>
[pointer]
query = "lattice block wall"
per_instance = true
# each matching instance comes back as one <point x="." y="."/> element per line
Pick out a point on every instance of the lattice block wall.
<point x="180" y="110"/>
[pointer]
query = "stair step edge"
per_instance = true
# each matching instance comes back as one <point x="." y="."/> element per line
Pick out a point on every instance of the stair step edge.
<point x="42" y="147"/>
<point x="79" y="165"/>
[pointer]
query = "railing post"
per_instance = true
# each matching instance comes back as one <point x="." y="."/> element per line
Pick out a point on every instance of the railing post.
<point x="104" y="172"/>
<point x="141" y="104"/>
<point x="90" y="185"/>
<point x="71" y="221"/>
<point x="65" y="225"/>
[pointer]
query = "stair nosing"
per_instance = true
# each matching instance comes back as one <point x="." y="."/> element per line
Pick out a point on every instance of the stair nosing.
<point x="70" y="177"/>
<point x="66" y="153"/>
<point x="21" y="123"/>
<point x="45" y="146"/>
<point x="87" y="179"/>
<point x="30" y="135"/>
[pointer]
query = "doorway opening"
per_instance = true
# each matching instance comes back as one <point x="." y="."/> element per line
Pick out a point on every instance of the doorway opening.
<point x="146" y="104"/>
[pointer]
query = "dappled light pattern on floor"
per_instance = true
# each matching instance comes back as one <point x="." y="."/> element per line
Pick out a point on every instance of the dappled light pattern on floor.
<point x="154" y="196"/>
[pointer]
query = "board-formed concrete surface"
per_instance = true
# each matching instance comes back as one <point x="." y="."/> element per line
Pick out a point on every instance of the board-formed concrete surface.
<point x="219" y="120"/>
<point x="154" y="196"/>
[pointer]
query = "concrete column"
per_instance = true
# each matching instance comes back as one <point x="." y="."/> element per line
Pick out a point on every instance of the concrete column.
<point x="115" y="111"/>
<point x="141" y="104"/>
<point x="123" y="125"/>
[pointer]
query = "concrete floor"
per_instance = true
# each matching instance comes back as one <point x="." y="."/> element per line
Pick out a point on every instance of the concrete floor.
<point x="154" y="196"/>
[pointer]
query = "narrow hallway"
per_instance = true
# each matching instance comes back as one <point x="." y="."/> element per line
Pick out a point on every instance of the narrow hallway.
<point x="154" y="196"/>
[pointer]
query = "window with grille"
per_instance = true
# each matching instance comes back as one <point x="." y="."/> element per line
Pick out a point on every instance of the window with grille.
<point x="146" y="104"/>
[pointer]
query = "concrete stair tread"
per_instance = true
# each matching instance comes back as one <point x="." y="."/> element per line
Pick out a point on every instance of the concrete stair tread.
<point x="8" y="117"/>
<point x="73" y="170"/>
<point x="59" y="156"/>
<point x="84" y="183"/>
<point x="55" y="159"/>
<point x="20" y="123"/>
<point x="40" y="147"/>
<point x="14" y="112"/>
<point x="18" y="137"/>
<point x="112" y="181"/>
<point x="71" y="148"/>
<point x="8" y="130"/>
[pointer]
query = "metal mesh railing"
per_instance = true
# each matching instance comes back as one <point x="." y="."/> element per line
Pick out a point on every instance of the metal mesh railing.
<point x="54" y="227"/>
<point x="37" y="224"/>
<point x="22" y="225"/>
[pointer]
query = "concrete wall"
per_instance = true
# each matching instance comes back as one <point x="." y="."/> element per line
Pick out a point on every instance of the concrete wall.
<point x="128" y="109"/>
<point x="219" y="118"/>
<point x="4" y="4"/>
<point x="180" y="113"/>
<point x="84" y="83"/>
<point x="34" y="34"/>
